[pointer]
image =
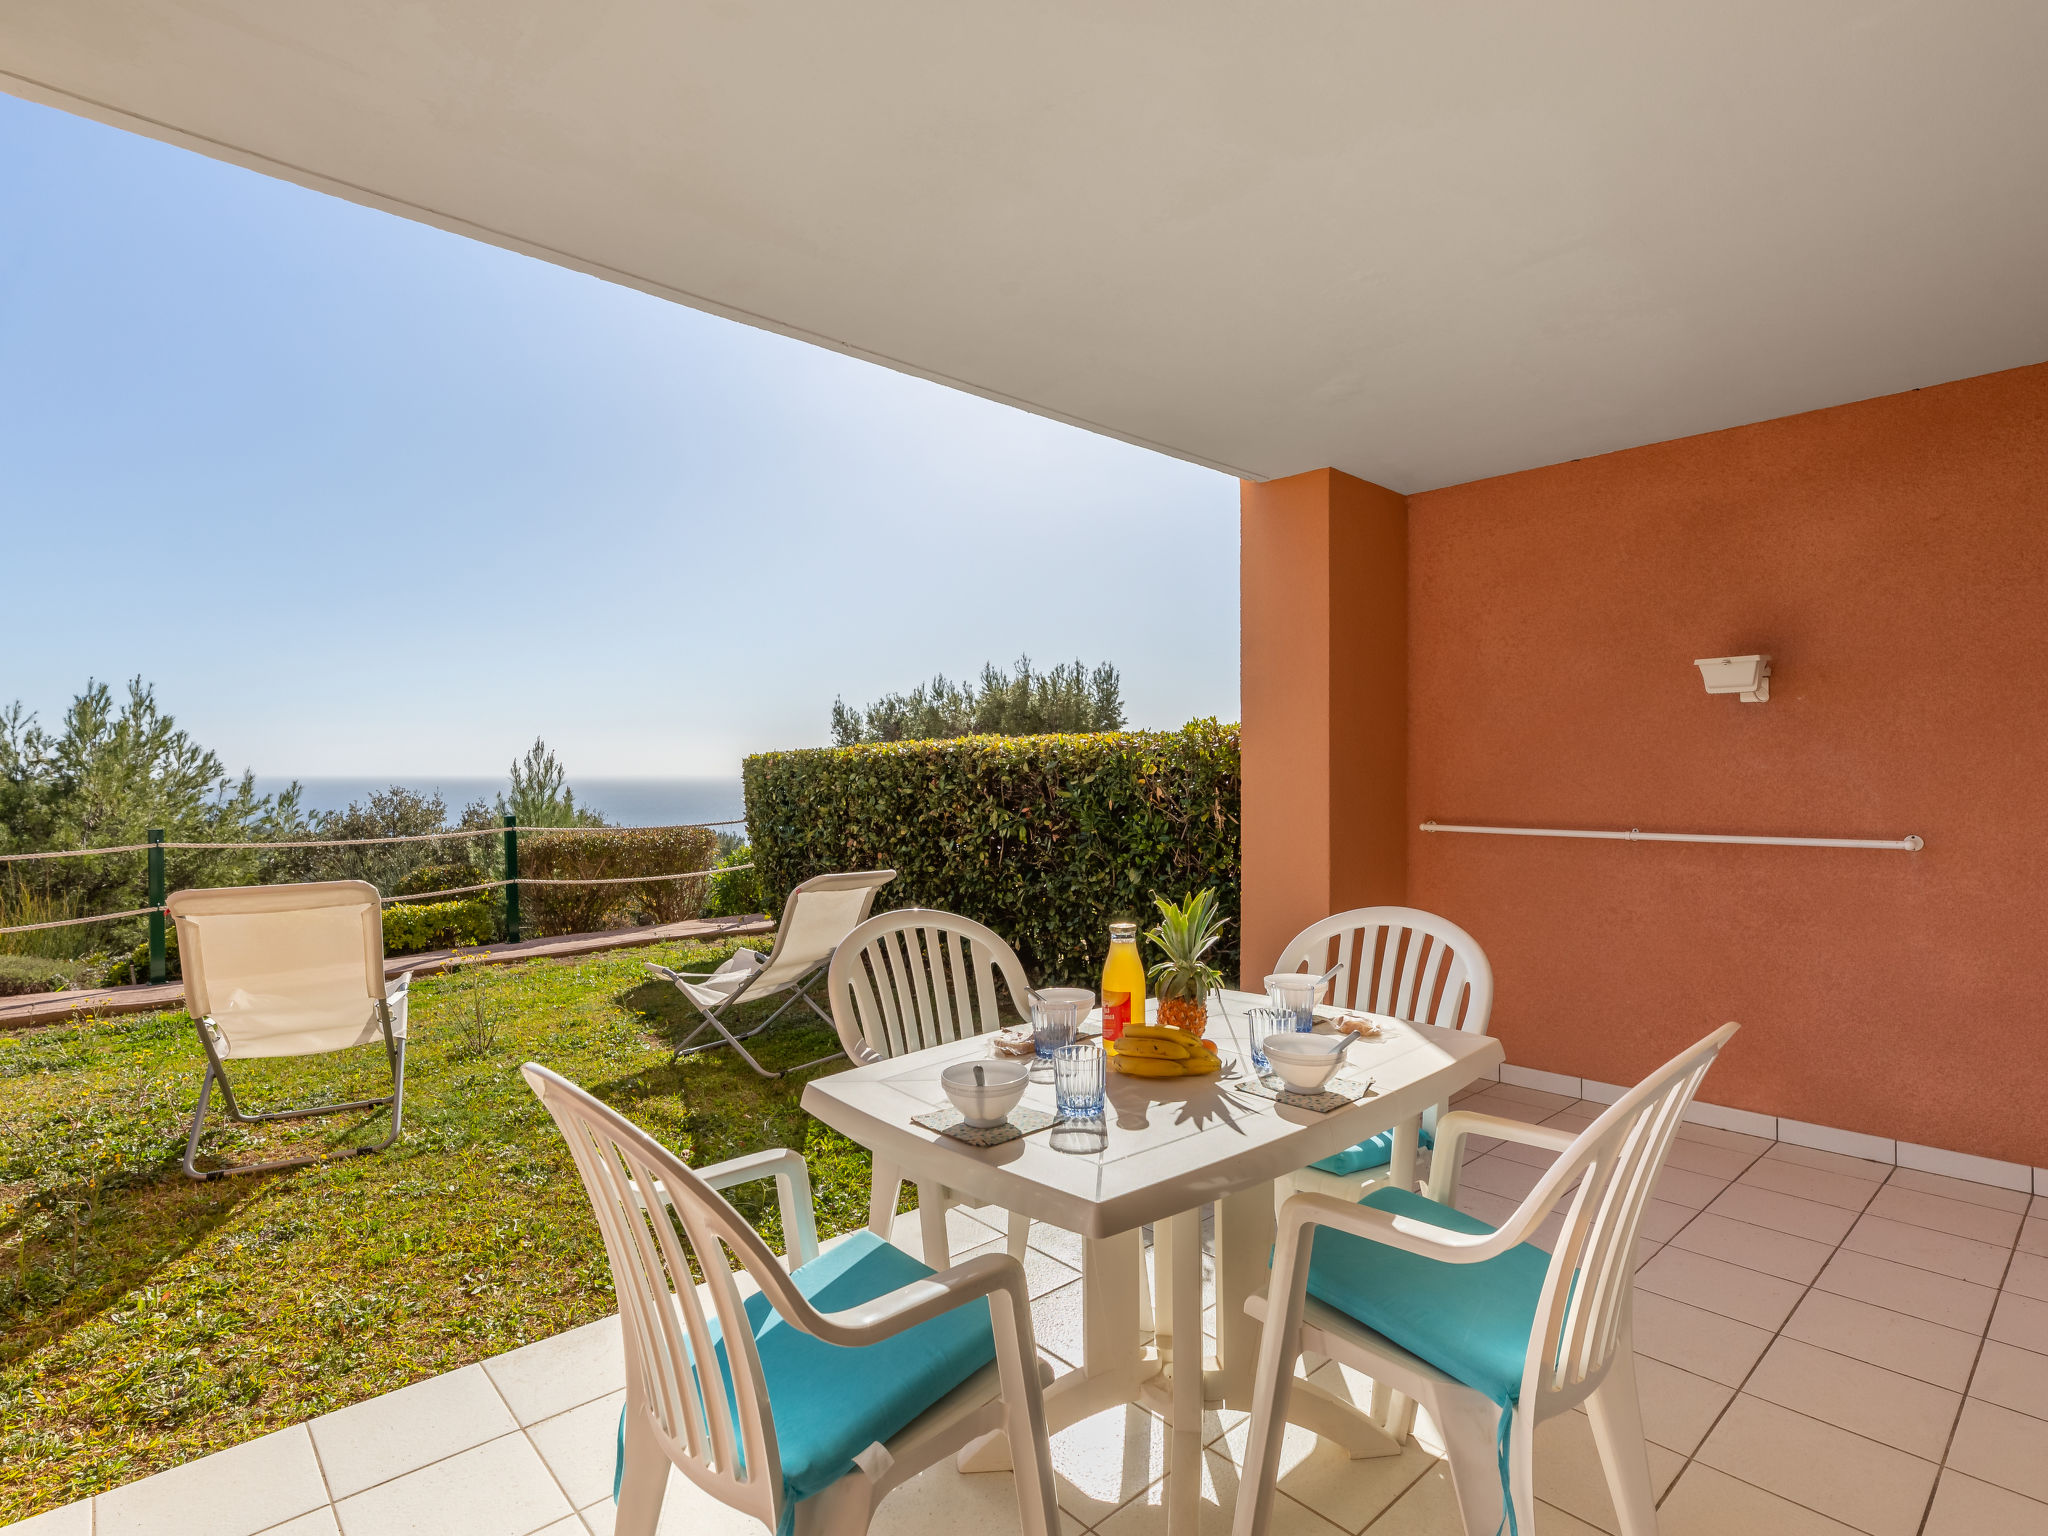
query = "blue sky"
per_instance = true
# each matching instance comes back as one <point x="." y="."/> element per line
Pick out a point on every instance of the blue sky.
<point x="362" y="497"/>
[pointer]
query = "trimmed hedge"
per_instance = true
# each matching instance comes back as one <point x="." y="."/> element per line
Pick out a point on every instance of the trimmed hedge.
<point x="611" y="854"/>
<point x="1046" y="839"/>
<point x="415" y="925"/>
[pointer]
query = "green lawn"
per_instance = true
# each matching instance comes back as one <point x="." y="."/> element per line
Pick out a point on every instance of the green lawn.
<point x="146" y="1319"/>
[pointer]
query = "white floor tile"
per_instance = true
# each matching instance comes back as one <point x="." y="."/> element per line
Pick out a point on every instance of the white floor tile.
<point x="1848" y="1191"/>
<point x="1834" y="1162"/>
<point x="1996" y="1445"/>
<point x="1873" y="1487"/>
<point x="1899" y="1411"/>
<point x="1569" y="1474"/>
<point x="1696" y="1340"/>
<point x="2021" y="1320"/>
<point x="502" y="1488"/>
<point x="1695" y="1190"/>
<point x="67" y="1520"/>
<point x="1678" y="1407"/>
<point x="1915" y="1292"/>
<point x="372" y="1442"/>
<point x="1968" y="1190"/>
<point x="1706" y="1502"/>
<point x="1943" y="1214"/>
<point x="1960" y="1258"/>
<point x="581" y="1448"/>
<point x="235" y="1492"/>
<point x="557" y="1374"/>
<point x="1761" y="1248"/>
<point x="1321" y="1476"/>
<point x="2012" y="1378"/>
<point x="1102" y="1463"/>
<point x="687" y="1510"/>
<point x="1911" y="1346"/>
<point x="321" y="1522"/>
<point x="2034" y="1234"/>
<point x="1790" y="1214"/>
<point x="1145" y="1515"/>
<point x="1747" y="1295"/>
<point x="1704" y="1157"/>
<point x="1963" y="1506"/>
<point x="2028" y="1276"/>
<point x="1428" y="1508"/>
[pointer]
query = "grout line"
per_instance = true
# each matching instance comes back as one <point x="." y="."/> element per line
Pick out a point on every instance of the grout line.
<point x="1948" y="1445"/>
<point x="548" y="1466"/>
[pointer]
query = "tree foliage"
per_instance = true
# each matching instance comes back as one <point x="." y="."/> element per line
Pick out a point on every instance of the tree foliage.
<point x="1069" y="699"/>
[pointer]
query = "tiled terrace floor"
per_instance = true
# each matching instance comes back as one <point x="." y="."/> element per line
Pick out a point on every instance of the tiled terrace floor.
<point x="1827" y="1346"/>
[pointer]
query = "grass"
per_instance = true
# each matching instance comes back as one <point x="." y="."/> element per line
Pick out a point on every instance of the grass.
<point x="146" y="1319"/>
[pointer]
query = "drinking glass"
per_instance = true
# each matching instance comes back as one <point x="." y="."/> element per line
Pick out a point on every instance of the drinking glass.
<point x="1078" y="1086"/>
<point x="1053" y="1024"/>
<point x="1259" y="1023"/>
<point x="1296" y="992"/>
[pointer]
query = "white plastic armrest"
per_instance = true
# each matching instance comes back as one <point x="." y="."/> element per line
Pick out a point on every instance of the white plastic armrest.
<point x="1403" y="1232"/>
<point x="921" y="1300"/>
<point x="792" y="1193"/>
<point x="1452" y="1129"/>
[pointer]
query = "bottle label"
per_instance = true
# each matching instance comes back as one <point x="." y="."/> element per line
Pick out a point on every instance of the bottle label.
<point x="1116" y="1013"/>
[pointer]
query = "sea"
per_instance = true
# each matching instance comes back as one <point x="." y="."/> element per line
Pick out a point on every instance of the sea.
<point x="623" y="802"/>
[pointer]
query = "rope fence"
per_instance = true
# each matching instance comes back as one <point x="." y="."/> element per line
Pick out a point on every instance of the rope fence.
<point x="258" y="846"/>
<point x="157" y="847"/>
<point x="458" y="890"/>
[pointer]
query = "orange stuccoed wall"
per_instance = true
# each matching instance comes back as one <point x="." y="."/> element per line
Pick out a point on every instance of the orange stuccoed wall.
<point x="1892" y="557"/>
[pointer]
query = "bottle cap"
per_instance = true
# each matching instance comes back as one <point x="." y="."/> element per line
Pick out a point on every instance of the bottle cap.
<point x="1123" y="930"/>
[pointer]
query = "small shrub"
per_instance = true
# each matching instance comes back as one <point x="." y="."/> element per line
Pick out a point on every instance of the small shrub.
<point x="735" y="895"/>
<point x="132" y="969"/>
<point x="611" y="854"/>
<point x="23" y="974"/>
<point x="416" y="925"/>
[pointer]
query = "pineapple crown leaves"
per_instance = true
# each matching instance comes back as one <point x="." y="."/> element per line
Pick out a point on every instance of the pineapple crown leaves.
<point x="1185" y="934"/>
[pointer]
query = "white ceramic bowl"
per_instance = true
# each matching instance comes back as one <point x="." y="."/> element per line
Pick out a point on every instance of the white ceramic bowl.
<point x="1304" y="1062"/>
<point x="1082" y="999"/>
<point x="989" y="1103"/>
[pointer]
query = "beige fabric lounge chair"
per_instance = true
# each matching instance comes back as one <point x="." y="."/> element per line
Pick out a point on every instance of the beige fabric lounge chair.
<point x="819" y="914"/>
<point x="288" y="970"/>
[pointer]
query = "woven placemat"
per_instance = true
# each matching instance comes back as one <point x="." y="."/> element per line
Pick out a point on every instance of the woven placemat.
<point x="1340" y="1091"/>
<point x="950" y="1122"/>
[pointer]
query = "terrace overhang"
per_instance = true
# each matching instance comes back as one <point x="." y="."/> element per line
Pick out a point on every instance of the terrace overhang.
<point x="1420" y="244"/>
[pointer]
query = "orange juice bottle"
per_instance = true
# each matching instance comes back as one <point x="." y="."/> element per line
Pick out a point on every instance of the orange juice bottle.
<point x="1123" y="982"/>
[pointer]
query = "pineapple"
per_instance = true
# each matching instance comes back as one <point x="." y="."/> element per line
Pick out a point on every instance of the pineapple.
<point x="1182" y="981"/>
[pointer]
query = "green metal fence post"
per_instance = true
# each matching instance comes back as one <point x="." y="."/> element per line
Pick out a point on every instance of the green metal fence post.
<point x="511" y="878"/>
<point x="156" y="899"/>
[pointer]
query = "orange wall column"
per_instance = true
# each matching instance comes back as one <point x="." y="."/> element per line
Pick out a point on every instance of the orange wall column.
<point x="1324" y="687"/>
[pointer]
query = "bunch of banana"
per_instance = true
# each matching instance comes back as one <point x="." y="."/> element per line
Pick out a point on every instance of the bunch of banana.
<point x="1158" y="1050"/>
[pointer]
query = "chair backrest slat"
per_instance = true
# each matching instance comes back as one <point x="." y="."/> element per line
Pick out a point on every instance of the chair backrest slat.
<point x="657" y="1217"/>
<point x="1399" y="961"/>
<point x="914" y="978"/>
<point x="1614" y="1164"/>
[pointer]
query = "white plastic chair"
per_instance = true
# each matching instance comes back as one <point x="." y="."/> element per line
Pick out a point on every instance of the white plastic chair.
<point x="817" y="917"/>
<point x="1479" y="1325"/>
<point x="788" y="1430"/>
<point x="907" y="980"/>
<point x="1408" y="964"/>
<point x="288" y="970"/>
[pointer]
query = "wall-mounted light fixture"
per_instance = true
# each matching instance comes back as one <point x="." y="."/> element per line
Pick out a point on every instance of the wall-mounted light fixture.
<point x="1749" y="676"/>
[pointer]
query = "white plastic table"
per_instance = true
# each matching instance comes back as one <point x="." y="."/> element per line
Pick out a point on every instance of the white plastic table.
<point x="1165" y="1149"/>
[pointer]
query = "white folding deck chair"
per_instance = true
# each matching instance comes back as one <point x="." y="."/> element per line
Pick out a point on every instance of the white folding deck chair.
<point x="905" y="981"/>
<point x="1490" y="1333"/>
<point x="1408" y="964"/>
<point x="288" y="970"/>
<point x="818" y="915"/>
<point x="804" y="1436"/>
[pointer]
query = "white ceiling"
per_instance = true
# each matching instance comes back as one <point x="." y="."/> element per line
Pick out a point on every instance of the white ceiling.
<point x="1422" y="242"/>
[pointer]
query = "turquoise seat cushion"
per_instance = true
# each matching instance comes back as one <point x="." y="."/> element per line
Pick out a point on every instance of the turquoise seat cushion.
<point x="1374" y="1153"/>
<point x="1470" y="1321"/>
<point x="829" y="1401"/>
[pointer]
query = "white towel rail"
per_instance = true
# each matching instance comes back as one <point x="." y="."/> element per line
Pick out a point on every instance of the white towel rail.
<point x="1637" y="835"/>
